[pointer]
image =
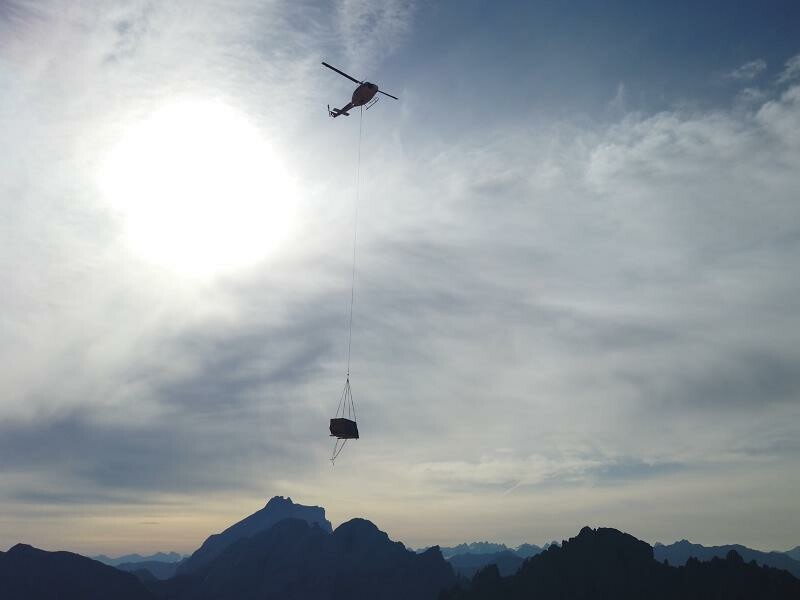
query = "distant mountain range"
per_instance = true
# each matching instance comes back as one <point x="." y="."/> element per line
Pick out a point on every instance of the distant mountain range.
<point x="680" y="552"/>
<point x="157" y="569"/>
<point x="165" y="557"/>
<point x="27" y="573"/>
<point x="472" y="548"/>
<point x="524" y="550"/>
<point x="606" y="563"/>
<point x="287" y="550"/>
<point x="467" y="565"/>
<point x="468" y="558"/>
<point x="794" y="553"/>
<point x="528" y="550"/>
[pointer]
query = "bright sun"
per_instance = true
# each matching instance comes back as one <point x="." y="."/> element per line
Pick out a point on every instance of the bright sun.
<point x="200" y="190"/>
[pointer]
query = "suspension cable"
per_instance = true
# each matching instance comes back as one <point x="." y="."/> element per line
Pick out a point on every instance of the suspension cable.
<point x="346" y="403"/>
<point x="355" y="234"/>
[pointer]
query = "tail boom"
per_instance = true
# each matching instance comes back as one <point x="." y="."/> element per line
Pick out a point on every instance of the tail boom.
<point x="335" y="112"/>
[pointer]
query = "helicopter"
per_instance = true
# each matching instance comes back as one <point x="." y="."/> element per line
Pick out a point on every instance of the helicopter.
<point x="363" y="94"/>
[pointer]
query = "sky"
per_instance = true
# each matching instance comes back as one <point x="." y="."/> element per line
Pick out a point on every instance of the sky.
<point x="576" y="299"/>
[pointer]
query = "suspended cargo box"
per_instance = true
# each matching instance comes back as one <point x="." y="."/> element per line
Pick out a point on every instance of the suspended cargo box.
<point x="344" y="429"/>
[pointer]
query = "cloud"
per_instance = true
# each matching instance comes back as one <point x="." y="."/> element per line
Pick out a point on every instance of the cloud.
<point x="748" y="71"/>
<point x="780" y="118"/>
<point x="672" y="254"/>
<point x="550" y="308"/>
<point x="369" y="30"/>
<point x="752" y="96"/>
<point x="618" y="102"/>
<point x="791" y="70"/>
<point x="503" y="472"/>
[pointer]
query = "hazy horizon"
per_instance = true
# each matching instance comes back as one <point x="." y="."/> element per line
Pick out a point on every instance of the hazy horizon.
<point x="224" y="525"/>
<point x="576" y="298"/>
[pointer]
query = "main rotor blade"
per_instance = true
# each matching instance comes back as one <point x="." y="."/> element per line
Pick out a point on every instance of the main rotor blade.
<point x="390" y="96"/>
<point x="342" y="73"/>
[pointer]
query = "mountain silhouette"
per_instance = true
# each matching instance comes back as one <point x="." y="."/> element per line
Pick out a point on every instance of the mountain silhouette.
<point x="467" y="565"/>
<point x="488" y="548"/>
<point x="277" y="509"/>
<point x="267" y="557"/>
<point x="166" y="557"/>
<point x="679" y="552"/>
<point x="32" y="574"/>
<point x="794" y="553"/>
<point x="605" y="563"/>
<point x="156" y="569"/>
<point x="297" y="560"/>
<point x="473" y="548"/>
<point x="528" y="550"/>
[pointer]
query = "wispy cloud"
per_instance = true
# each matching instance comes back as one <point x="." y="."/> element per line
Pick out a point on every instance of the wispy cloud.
<point x="791" y="70"/>
<point x="748" y="71"/>
<point x="543" y="308"/>
<point x="369" y="29"/>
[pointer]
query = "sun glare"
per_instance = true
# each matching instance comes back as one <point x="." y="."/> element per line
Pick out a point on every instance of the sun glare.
<point x="200" y="190"/>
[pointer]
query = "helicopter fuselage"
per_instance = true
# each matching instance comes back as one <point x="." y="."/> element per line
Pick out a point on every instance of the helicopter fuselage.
<point x="364" y="93"/>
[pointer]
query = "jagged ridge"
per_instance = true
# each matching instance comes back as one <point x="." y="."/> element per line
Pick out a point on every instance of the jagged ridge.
<point x="277" y="509"/>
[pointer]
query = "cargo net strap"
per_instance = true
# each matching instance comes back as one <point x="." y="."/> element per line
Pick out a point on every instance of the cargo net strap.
<point x="347" y="409"/>
<point x="338" y="446"/>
